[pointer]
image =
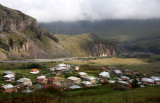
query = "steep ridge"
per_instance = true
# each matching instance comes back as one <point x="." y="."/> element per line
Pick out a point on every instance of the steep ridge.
<point x="22" y="38"/>
<point x="85" y="45"/>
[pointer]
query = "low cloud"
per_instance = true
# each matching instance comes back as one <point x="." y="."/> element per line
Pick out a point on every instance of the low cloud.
<point x="72" y="10"/>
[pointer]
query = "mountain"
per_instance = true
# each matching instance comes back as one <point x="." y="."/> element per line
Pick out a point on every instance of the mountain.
<point x="22" y="38"/>
<point x="88" y="45"/>
<point x="142" y="35"/>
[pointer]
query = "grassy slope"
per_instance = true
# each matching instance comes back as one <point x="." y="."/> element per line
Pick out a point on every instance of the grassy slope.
<point x="108" y="95"/>
<point x="134" y="64"/>
<point x="148" y="41"/>
<point x="74" y="44"/>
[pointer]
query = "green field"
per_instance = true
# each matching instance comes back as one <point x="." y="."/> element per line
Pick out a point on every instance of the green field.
<point x="150" y="66"/>
<point x="99" y="94"/>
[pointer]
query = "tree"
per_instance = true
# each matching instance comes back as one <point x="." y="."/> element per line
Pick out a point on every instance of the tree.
<point x="135" y="84"/>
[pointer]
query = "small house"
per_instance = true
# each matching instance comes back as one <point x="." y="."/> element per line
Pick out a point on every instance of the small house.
<point x="105" y="69"/>
<point x="41" y="79"/>
<point x="34" y="71"/>
<point x="104" y="76"/>
<point x="74" y="87"/>
<point x="24" y="81"/>
<point x="128" y="72"/>
<point x="8" y="72"/>
<point x="74" y="80"/>
<point x="51" y="69"/>
<point x="86" y="83"/>
<point x="147" y="81"/>
<point x="91" y="79"/>
<point x="54" y="81"/>
<point x="9" y="77"/>
<point x="9" y="88"/>
<point x="117" y="72"/>
<point x="76" y="68"/>
<point x="82" y="74"/>
<point x="62" y="67"/>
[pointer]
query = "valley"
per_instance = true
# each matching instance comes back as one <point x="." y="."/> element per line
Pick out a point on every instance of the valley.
<point x="83" y="61"/>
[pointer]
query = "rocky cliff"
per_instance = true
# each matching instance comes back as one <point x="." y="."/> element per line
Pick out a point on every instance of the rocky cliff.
<point x="89" y="45"/>
<point x="22" y="38"/>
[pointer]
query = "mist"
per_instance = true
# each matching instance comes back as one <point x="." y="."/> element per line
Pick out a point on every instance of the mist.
<point x="93" y="10"/>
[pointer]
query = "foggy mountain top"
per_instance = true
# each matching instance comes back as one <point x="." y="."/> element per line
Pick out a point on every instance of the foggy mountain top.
<point x="73" y="10"/>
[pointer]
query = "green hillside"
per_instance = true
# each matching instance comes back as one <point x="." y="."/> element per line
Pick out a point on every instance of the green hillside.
<point x="86" y="45"/>
<point x="141" y="35"/>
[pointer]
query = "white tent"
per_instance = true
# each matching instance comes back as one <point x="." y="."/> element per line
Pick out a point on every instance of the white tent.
<point x="111" y="81"/>
<point x="7" y="86"/>
<point x="147" y="80"/>
<point x="9" y="76"/>
<point x="74" y="87"/>
<point x="118" y="71"/>
<point x="155" y="79"/>
<point x="123" y="82"/>
<point x="90" y="78"/>
<point x="41" y="77"/>
<point x="104" y="74"/>
<point x="61" y="65"/>
<point x="82" y="73"/>
<point x="86" y="83"/>
<point x="124" y="77"/>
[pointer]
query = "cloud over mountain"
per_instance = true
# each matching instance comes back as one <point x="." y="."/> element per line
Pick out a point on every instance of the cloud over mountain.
<point x="72" y="10"/>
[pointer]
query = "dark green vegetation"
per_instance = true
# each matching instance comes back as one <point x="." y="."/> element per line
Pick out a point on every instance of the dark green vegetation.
<point x="143" y="35"/>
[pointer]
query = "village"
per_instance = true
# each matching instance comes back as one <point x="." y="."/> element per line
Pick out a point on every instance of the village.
<point x="67" y="77"/>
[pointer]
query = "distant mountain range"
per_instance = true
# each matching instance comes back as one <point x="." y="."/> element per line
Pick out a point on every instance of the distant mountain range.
<point x="137" y="35"/>
<point x="22" y="38"/>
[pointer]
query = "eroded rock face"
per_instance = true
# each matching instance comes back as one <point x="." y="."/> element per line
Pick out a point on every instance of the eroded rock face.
<point x="14" y="21"/>
<point x="103" y="48"/>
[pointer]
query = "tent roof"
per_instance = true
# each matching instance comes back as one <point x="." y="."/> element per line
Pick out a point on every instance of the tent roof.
<point x="91" y="77"/>
<point x="86" y="82"/>
<point x="104" y="74"/>
<point x="82" y="73"/>
<point x="117" y="71"/>
<point x="73" y="78"/>
<point x="41" y="77"/>
<point x="147" y="80"/>
<point x="8" y="72"/>
<point x="23" y="80"/>
<point x="155" y="78"/>
<point x="7" y="86"/>
<point x="74" y="87"/>
<point x="123" y="82"/>
<point x="10" y="76"/>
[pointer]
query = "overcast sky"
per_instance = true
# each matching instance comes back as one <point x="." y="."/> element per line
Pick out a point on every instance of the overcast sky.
<point x="72" y="10"/>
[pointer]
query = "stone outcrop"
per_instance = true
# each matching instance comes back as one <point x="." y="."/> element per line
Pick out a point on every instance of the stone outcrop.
<point x="102" y="48"/>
